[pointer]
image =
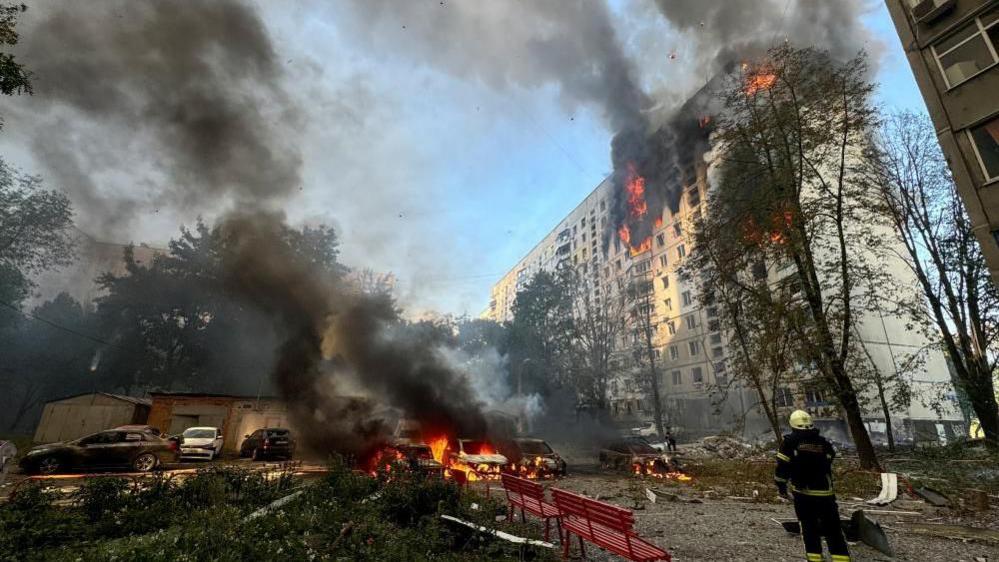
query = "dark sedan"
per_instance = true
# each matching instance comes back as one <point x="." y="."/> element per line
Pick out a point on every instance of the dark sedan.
<point x="140" y="451"/>
<point x="267" y="443"/>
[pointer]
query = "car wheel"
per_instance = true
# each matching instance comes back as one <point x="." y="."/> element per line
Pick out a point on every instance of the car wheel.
<point x="49" y="465"/>
<point x="144" y="462"/>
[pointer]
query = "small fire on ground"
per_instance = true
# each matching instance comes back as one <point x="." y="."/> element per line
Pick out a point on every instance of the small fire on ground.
<point x="658" y="468"/>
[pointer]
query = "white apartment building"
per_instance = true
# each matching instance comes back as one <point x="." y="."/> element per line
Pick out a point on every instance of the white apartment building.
<point x="689" y="345"/>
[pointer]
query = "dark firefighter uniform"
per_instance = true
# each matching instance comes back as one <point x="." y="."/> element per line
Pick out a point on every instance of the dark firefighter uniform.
<point x="804" y="466"/>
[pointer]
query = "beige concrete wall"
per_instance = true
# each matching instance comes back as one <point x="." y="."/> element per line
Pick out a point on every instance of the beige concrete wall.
<point x="82" y="415"/>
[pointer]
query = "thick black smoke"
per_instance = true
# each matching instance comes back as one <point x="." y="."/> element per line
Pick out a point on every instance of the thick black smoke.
<point x="195" y="84"/>
<point x="333" y="332"/>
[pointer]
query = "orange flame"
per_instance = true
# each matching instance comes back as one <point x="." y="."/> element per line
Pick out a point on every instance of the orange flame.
<point x="658" y="469"/>
<point x="760" y="81"/>
<point x="437" y="448"/>
<point x="638" y="207"/>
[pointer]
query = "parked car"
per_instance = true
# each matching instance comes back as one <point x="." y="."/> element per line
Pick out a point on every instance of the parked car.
<point x="632" y="452"/>
<point x="139" y="427"/>
<point x="266" y="443"/>
<point x="201" y="443"/>
<point x="476" y="454"/>
<point x="138" y="450"/>
<point x="529" y="456"/>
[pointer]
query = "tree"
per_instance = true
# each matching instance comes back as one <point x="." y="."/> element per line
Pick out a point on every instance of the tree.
<point x="541" y="333"/>
<point x="598" y="323"/>
<point x="174" y="324"/>
<point x="732" y="277"/>
<point x="640" y="292"/>
<point x="49" y="355"/>
<point x="34" y="234"/>
<point x="14" y="78"/>
<point x="916" y="191"/>
<point x="791" y="135"/>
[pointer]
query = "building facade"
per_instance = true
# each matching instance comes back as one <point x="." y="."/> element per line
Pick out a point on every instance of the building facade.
<point x="953" y="49"/>
<point x="236" y="416"/>
<point x="690" y="348"/>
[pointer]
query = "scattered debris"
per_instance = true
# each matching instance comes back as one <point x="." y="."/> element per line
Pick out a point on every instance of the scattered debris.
<point x="889" y="489"/>
<point x="977" y="500"/>
<point x="498" y="534"/>
<point x="933" y="497"/>
<point x="719" y="446"/>
<point x="651" y="495"/>
<point x="272" y="506"/>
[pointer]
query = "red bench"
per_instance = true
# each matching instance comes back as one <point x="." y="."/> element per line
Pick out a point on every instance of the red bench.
<point x="530" y="497"/>
<point x="607" y="526"/>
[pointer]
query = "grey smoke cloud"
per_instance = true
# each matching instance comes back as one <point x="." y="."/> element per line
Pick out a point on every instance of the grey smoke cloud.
<point x="178" y="94"/>
<point x="725" y="31"/>
<point x="571" y="45"/>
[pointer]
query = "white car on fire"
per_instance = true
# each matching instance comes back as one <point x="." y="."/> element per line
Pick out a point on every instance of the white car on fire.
<point x="201" y="443"/>
<point x="478" y="455"/>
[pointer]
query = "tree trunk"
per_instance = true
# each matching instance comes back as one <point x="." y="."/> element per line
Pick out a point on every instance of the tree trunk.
<point x="861" y="439"/>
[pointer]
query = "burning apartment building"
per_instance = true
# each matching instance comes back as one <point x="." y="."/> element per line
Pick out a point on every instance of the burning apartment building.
<point x="602" y="240"/>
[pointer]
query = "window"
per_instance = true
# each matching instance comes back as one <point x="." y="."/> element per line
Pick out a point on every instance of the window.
<point x="677" y="378"/>
<point x="714" y="325"/>
<point x="583" y="222"/>
<point x="691" y="322"/>
<point x="681" y="251"/>
<point x="712" y="312"/>
<point x="814" y="397"/>
<point x="685" y="296"/>
<point x="694" y="347"/>
<point x="717" y="352"/>
<point x="696" y="374"/>
<point x="663" y="262"/>
<point x="603" y="205"/>
<point x="584" y="237"/>
<point x="661" y="240"/>
<point x="985" y="139"/>
<point x="674" y="353"/>
<point x="676" y="230"/>
<point x="671" y="328"/>
<point x="669" y="304"/>
<point x="783" y="397"/>
<point x="715" y="339"/>
<point x="665" y="279"/>
<point x="969" y="51"/>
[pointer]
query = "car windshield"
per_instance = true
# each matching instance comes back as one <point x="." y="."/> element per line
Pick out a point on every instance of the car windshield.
<point x="200" y="433"/>
<point x="535" y="448"/>
<point x="471" y="447"/>
<point x="277" y="433"/>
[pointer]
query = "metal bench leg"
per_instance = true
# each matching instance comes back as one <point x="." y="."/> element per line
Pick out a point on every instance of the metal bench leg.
<point x="565" y="544"/>
<point x="523" y="517"/>
<point x="509" y="513"/>
<point x="548" y="524"/>
<point x="582" y="549"/>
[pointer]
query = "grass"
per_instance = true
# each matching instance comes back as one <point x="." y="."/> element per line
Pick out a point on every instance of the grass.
<point x="343" y="516"/>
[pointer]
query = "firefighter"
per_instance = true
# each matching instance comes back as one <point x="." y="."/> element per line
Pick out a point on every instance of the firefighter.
<point x="804" y="466"/>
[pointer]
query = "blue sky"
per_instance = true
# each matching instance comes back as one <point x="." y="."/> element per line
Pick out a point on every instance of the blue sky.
<point x="434" y="175"/>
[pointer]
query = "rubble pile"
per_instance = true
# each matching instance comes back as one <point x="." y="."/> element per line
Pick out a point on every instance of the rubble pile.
<point x="719" y="447"/>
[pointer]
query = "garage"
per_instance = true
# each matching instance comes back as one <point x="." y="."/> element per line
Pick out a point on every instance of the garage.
<point x="74" y="416"/>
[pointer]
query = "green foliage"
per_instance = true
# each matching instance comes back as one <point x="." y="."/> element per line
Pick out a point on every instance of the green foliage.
<point x="345" y="515"/>
<point x="14" y="78"/>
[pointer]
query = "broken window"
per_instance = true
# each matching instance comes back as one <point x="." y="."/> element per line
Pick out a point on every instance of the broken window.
<point x="661" y="240"/>
<point x="985" y="139"/>
<point x="697" y="374"/>
<point x="969" y="51"/>
<point x="814" y="396"/>
<point x="671" y="328"/>
<point x="674" y="353"/>
<point x="676" y="229"/>
<point x="714" y="325"/>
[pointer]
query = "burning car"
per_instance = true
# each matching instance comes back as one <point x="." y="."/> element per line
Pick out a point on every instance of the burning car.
<point x="476" y="458"/>
<point x="532" y="458"/>
<point x="636" y="455"/>
<point x="409" y="457"/>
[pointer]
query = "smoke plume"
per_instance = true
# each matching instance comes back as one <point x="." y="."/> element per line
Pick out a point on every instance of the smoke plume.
<point x="196" y="85"/>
